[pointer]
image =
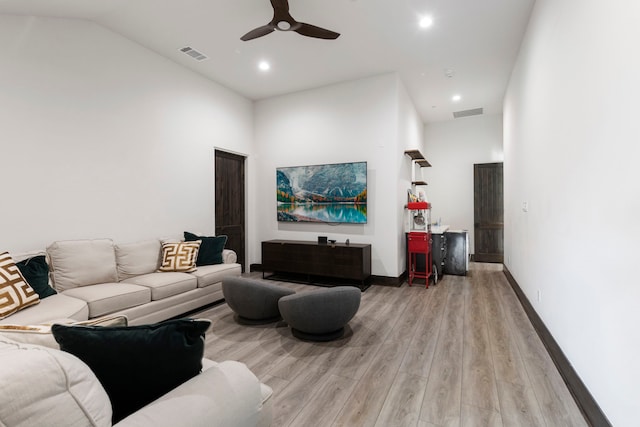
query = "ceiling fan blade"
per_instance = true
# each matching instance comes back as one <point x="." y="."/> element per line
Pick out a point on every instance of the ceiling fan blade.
<point x="280" y="4"/>
<point x="317" y="32"/>
<point x="258" y="32"/>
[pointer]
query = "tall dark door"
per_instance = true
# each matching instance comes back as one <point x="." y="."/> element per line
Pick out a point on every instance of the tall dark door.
<point x="488" y="212"/>
<point x="229" y="176"/>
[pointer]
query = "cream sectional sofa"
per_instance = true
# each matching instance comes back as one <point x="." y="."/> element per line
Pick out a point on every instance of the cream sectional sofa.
<point x="97" y="277"/>
<point x="43" y="385"/>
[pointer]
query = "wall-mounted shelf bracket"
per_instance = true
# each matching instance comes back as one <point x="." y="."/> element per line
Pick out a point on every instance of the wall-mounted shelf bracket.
<point x="417" y="157"/>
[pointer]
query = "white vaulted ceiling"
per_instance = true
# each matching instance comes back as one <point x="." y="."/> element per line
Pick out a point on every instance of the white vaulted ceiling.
<point x="477" y="39"/>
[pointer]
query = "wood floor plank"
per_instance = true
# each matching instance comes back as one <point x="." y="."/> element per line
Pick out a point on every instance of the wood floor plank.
<point x="519" y="406"/>
<point x="472" y="416"/>
<point x="442" y="399"/>
<point x="508" y="363"/>
<point x="326" y="403"/>
<point x="409" y="317"/>
<point x="355" y="361"/>
<point x="366" y="401"/>
<point x="478" y="374"/>
<point x="419" y="355"/>
<point x="289" y="402"/>
<point x="402" y="406"/>
<point x="262" y="356"/>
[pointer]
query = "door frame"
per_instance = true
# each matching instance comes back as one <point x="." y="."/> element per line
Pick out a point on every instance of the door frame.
<point x="242" y="258"/>
<point x="495" y="257"/>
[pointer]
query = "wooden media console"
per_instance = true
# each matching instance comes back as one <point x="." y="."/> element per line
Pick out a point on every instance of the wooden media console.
<point x="315" y="262"/>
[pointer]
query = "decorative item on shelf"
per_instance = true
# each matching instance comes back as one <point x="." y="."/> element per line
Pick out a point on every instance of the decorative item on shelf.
<point x="411" y="197"/>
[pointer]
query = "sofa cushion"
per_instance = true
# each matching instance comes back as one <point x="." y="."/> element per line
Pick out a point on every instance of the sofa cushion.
<point x="47" y="387"/>
<point x="57" y="306"/>
<point x="179" y="256"/>
<point x="211" y="274"/>
<point x="107" y="298"/>
<point x="82" y="262"/>
<point x="36" y="272"/>
<point x="41" y="334"/>
<point x="15" y="292"/>
<point x="211" y="248"/>
<point x="164" y="285"/>
<point x="138" y="258"/>
<point x="137" y="364"/>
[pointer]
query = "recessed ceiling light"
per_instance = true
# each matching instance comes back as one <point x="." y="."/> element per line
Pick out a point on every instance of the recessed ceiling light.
<point x="456" y="98"/>
<point x="426" y="21"/>
<point x="264" y="66"/>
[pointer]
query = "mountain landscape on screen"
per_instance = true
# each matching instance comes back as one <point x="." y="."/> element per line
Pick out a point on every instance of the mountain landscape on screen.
<point x="323" y="193"/>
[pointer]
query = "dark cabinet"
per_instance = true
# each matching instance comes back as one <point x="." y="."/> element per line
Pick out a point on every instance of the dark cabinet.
<point x="457" y="254"/>
<point x="439" y="252"/>
<point x="313" y="260"/>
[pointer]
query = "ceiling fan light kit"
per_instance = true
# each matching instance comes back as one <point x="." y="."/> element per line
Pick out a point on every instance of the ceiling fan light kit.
<point x="283" y="21"/>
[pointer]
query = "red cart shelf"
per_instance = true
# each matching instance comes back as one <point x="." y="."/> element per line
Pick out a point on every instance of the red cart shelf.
<point x="419" y="243"/>
<point x="417" y="205"/>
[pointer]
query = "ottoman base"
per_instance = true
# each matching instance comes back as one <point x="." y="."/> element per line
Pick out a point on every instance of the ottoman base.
<point x="329" y="336"/>
<point x="246" y="321"/>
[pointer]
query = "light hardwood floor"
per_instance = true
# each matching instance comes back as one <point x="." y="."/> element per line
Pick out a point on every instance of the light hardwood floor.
<point x="461" y="353"/>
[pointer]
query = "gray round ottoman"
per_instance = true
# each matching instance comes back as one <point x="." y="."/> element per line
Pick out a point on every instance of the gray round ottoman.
<point x="320" y="315"/>
<point x="253" y="301"/>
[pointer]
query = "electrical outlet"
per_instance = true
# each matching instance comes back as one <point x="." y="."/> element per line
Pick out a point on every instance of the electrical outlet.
<point x="539" y="295"/>
<point x="525" y="206"/>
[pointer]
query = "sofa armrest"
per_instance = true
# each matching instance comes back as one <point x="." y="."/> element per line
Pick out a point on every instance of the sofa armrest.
<point x="226" y="394"/>
<point x="229" y="256"/>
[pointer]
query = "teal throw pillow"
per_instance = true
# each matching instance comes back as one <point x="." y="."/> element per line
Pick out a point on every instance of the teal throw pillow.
<point x="210" y="252"/>
<point x="36" y="272"/>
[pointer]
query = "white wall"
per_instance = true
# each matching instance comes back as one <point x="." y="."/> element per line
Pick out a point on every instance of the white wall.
<point x="100" y="137"/>
<point x="452" y="148"/>
<point x="410" y="137"/>
<point x="571" y="151"/>
<point x="352" y="121"/>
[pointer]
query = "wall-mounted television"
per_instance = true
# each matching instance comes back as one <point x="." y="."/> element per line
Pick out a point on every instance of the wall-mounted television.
<point x="331" y="193"/>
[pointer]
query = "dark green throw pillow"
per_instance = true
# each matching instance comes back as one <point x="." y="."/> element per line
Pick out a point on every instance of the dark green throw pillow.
<point x="36" y="272"/>
<point x="210" y="252"/>
<point x="137" y="364"/>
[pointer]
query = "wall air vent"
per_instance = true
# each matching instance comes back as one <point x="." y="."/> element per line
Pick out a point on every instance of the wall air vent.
<point x="467" y="113"/>
<point x="193" y="53"/>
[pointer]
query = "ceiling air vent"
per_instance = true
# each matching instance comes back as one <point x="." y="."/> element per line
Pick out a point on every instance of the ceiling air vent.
<point x="193" y="53"/>
<point x="467" y="113"/>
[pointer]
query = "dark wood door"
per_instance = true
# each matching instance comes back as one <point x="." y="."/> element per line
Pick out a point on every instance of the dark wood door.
<point x="488" y="212"/>
<point x="229" y="176"/>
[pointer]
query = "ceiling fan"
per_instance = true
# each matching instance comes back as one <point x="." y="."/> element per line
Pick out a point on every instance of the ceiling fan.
<point x="282" y="21"/>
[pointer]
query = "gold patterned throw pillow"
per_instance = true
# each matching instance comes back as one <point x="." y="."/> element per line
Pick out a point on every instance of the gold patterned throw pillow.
<point x="15" y="292"/>
<point x="180" y="256"/>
